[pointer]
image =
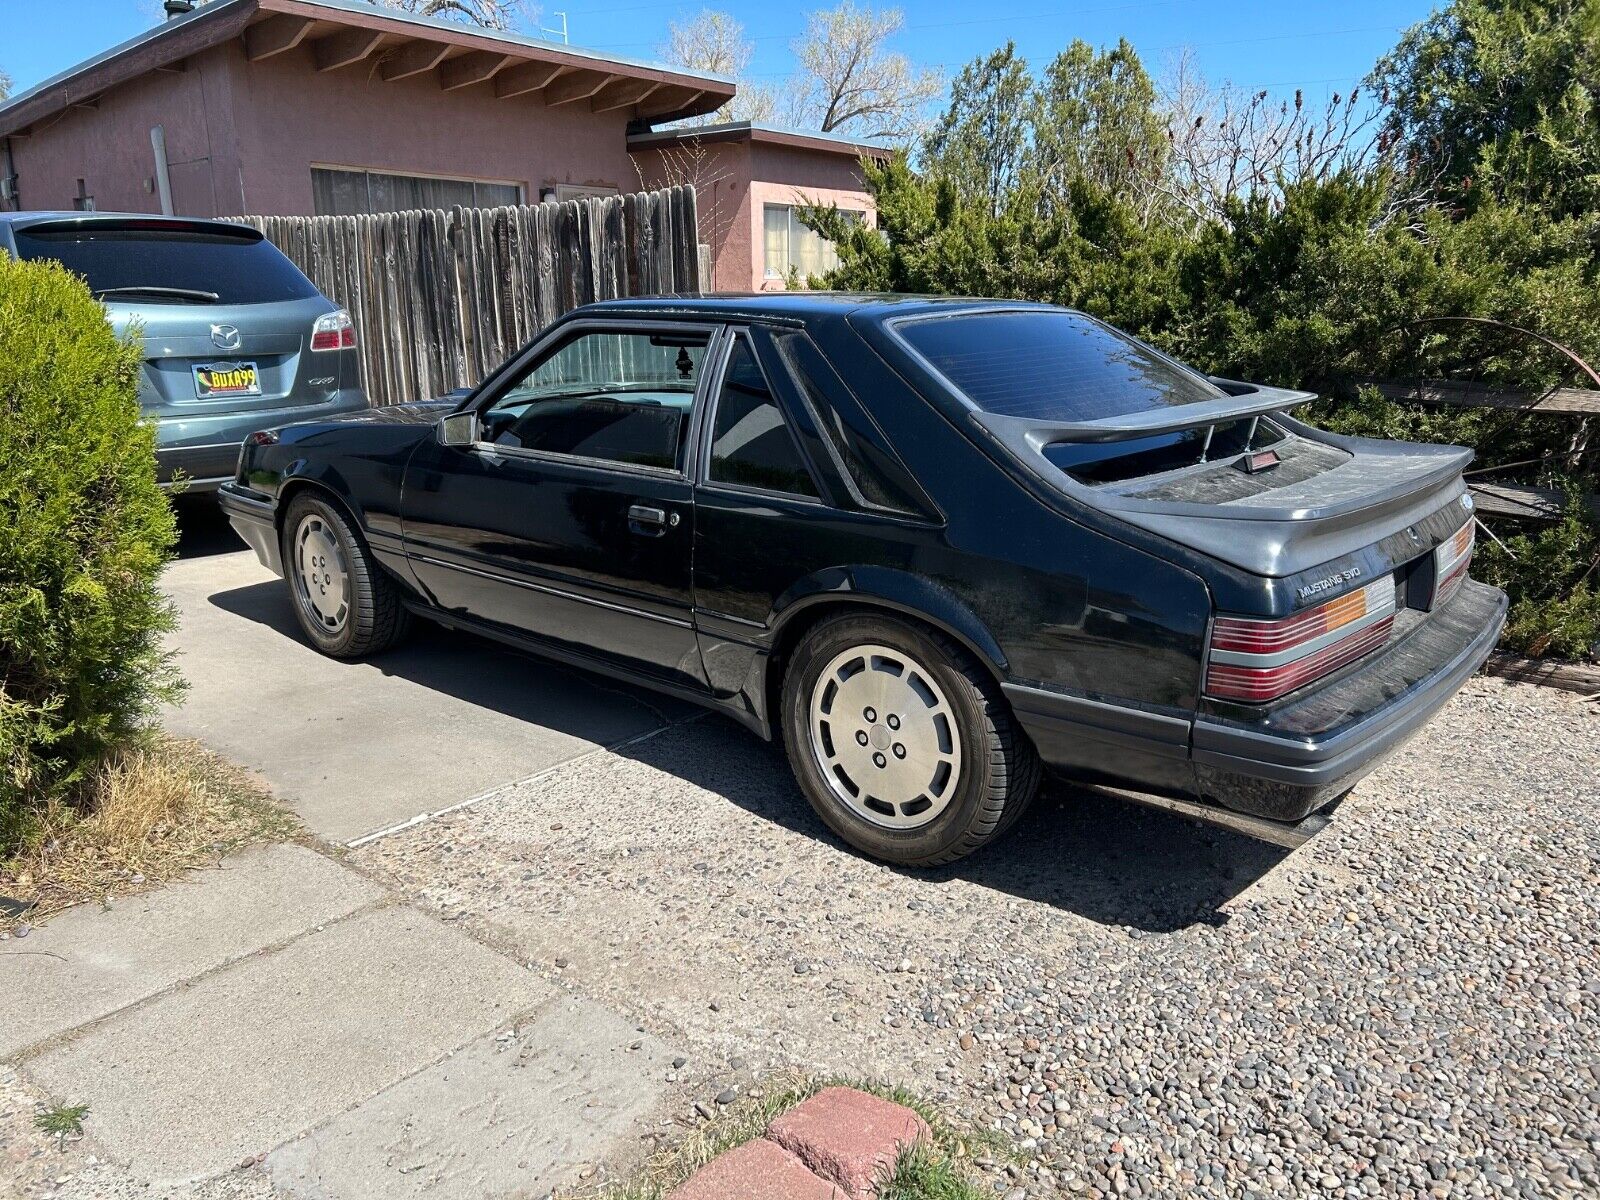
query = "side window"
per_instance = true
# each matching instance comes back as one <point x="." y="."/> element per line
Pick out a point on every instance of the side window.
<point x="616" y="396"/>
<point x="750" y="443"/>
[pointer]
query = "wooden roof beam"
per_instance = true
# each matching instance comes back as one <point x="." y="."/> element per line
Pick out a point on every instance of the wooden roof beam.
<point x="345" y="47"/>
<point x="625" y="93"/>
<point x="477" y="67"/>
<point x="668" y="100"/>
<point x="411" y="58"/>
<point x="526" y="77"/>
<point x="276" y="34"/>
<point x="579" y="86"/>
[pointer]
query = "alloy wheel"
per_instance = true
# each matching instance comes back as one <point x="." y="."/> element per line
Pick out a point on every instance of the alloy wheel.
<point x="322" y="577"/>
<point x="885" y="737"/>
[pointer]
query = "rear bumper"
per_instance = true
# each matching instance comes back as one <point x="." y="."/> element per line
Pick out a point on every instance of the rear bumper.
<point x="1294" y="760"/>
<point x="254" y="517"/>
<point x="203" y="468"/>
<point x="205" y="449"/>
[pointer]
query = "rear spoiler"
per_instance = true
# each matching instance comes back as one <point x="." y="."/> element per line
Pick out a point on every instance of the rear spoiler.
<point x="91" y="223"/>
<point x="1242" y="400"/>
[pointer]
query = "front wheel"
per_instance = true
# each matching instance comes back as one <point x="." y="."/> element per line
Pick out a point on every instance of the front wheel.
<point x="902" y="743"/>
<point x="345" y="603"/>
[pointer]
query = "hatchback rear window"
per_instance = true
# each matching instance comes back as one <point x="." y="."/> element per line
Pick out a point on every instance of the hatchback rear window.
<point x="152" y="265"/>
<point x="1051" y="366"/>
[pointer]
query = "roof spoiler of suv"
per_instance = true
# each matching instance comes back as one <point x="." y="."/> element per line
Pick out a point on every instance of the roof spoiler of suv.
<point x="1242" y="400"/>
<point x="98" y="223"/>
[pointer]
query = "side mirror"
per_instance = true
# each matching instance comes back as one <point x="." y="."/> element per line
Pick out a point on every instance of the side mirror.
<point x="458" y="429"/>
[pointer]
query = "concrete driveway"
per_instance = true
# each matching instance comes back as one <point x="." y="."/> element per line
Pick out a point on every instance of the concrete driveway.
<point x="357" y="748"/>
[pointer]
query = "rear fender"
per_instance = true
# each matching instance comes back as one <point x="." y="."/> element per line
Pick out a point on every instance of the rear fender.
<point x="885" y="588"/>
<point x="747" y="671"/>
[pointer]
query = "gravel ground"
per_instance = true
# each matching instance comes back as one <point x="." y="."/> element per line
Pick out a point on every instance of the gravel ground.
<point x="1408" y="1006"/>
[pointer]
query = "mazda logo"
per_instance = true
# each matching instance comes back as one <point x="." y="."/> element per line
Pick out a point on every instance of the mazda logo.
<point x="225" y="337"/>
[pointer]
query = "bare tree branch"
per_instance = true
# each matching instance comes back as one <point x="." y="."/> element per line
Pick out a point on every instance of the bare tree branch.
<point x="849" y="82"/>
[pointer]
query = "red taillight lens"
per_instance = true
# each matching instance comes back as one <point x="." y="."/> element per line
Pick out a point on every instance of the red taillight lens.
<point x="1451" y="558"/>
<point x="333" y="331"/>
<point x="1256" y="660"/>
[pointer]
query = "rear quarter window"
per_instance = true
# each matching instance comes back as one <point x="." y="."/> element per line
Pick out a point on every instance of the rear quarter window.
<point x="1051" y="365"/>
<point x="241" y="268"/>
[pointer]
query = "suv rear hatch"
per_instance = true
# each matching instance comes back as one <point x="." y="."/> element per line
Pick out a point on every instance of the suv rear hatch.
<point x="227" y="322"/>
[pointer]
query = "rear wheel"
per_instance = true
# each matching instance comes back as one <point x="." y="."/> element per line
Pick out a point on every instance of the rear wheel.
<point x="903" y="744"/>
<point x="343" y="600"/>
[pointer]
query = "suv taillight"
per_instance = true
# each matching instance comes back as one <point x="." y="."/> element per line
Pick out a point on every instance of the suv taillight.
<point x="333" y="331"/>
<point x="1256" y="660"/>
<point x="1451" y="558"/>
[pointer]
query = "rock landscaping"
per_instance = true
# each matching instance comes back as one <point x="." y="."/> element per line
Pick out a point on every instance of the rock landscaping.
<point x="1408" y="1006"/>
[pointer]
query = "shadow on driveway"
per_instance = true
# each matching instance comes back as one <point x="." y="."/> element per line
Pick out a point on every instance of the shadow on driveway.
<point x="1079" y="850"/>
<point x="1106" y="860"/>
<point x="203" y="530"/>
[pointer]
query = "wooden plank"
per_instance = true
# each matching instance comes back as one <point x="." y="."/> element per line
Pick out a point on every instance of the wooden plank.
<point x="1531" y="503"/>
<point x="477" y="67"/>
<point x="1569" y="677"/>
<point x="276" y="34"/>
<point x="525" y="78"/>
<point x="344" y="48"/>
<point x="1569" y="401"/>
<point x="413" y="58"/>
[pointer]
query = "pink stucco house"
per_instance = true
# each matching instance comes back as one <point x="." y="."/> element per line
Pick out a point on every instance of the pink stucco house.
<point x="335" y="106"/>
<point x="749" y="180"/>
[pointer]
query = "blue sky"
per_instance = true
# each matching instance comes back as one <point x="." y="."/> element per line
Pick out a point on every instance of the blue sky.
<point x="1280" y="44"/>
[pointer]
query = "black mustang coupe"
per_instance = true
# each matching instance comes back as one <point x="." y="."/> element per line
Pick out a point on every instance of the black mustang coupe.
<point x="933" y="545"/>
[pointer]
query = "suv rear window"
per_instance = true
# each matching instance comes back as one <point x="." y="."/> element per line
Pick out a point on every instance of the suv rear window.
<point x="242" y="268"/>
<point x="1051" y="365"/>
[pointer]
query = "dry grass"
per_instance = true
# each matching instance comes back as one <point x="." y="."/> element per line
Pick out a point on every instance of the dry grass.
<point x="154" y="811"/>
<point x="933" y="1173"/>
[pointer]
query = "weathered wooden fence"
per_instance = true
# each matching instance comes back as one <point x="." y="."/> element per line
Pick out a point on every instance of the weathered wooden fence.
<point x="440" y="297"/>
<point x="1506" y="499"/>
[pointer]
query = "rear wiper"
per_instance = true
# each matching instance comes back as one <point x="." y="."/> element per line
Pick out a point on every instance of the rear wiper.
<point x="194" y="295"/>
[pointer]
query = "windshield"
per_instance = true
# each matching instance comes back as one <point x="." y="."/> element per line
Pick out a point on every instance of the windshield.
<point x="1051" y="365"/>
<point x="152" y="265"/>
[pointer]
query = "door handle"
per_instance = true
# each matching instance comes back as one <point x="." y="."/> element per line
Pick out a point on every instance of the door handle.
<point x="649" y="521"/>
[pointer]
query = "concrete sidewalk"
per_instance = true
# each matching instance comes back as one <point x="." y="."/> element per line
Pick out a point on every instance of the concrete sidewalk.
<point x="284" y="1026"/>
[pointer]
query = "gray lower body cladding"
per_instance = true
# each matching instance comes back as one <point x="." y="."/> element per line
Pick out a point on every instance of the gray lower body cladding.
<point x="1299" y="757"/>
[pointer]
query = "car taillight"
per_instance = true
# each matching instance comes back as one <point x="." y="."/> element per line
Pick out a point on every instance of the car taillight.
<point x="1451" y="558"/>
<point x="1256" y="660"/>
<point x="333" y="331"/>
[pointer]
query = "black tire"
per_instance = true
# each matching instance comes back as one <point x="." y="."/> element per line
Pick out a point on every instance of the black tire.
<point x="999" y="769"/>
<point x="373" y="618"/>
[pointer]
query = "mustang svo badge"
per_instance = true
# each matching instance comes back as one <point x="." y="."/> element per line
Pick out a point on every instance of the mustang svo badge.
<point x="1328" y="583"/>
<point x="225" y="337"/>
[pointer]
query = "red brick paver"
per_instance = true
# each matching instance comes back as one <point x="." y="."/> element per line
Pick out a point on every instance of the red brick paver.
<point x="758" y="1170"/>
<point x="849" y="1137"/>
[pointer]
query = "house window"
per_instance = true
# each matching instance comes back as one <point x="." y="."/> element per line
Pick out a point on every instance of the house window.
<point x="576" y="191"/>
<point x="791" y="243"/>
<point x="337" y="192"/>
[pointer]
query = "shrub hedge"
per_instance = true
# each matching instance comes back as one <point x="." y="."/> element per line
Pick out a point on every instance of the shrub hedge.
<point x="84" y="533"/>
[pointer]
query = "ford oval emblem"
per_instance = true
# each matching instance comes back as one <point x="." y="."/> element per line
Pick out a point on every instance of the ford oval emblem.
<point x="225" y="337"/>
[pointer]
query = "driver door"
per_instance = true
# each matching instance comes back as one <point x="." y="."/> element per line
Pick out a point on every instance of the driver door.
<point x="571" y="518"/>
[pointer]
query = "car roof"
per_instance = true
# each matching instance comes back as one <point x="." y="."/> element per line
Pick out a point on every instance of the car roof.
<point x="798" y="307"/>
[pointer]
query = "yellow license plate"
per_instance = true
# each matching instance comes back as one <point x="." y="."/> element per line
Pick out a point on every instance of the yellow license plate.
<point x="227" y="379"/>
